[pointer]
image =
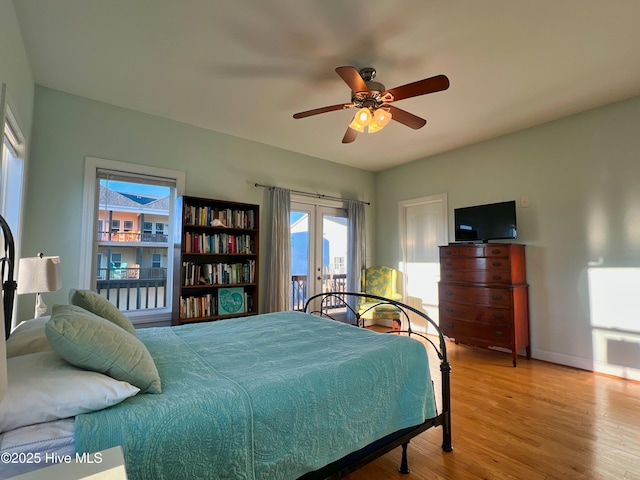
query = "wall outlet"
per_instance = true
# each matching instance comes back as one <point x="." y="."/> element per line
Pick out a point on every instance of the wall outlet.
<point x="524" y="202"/>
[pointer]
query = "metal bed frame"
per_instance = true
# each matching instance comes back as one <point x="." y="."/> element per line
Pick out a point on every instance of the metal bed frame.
<point x="353" y="461"/>
<point x="7" y="263"/>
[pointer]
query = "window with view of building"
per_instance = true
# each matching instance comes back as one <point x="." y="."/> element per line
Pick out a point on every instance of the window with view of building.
<point x="133" y="265"/>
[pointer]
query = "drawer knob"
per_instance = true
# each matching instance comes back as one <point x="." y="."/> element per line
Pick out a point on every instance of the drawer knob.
<point x="449" y="275"/>
<point x="496" y="296"/>
<point x="498" y="333"/>
<point x="448" y="263"/>
<point x="449" y="309"/>
<point x="496" y="264"/>
<point x="448" y="293"/>
<point x="497" y="277"/>
<point x="449" y="325"/>
<point x="496" y="251"/>
<point x="498" y="316"/>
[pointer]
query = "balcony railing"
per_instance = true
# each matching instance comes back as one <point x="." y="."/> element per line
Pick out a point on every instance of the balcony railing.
<point x="133" y="237"/>
<point x="142" y="273"/>
<point x="299" y="289"/>
<point x="133" y="288"/>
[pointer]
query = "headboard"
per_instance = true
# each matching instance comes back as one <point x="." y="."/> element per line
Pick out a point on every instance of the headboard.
<point x="7" y="262"/>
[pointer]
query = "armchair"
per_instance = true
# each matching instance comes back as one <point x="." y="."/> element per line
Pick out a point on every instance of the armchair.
<point x="381" y="281"/>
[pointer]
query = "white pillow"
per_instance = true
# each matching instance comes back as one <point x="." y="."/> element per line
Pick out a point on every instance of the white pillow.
<point x="28" y="337"/>
<point x="43" y="387"/>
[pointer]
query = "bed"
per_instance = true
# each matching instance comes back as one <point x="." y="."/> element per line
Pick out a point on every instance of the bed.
<point x="273" y="396"/>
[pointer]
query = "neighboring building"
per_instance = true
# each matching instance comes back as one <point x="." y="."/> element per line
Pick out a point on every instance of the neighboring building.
<point x="133" y="240"/>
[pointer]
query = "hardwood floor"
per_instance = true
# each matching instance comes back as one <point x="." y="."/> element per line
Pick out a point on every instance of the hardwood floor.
<point x="538" y="421"/>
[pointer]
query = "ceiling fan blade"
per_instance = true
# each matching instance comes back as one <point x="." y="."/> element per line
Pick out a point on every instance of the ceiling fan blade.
<point x="352" y="77"/>
<point x="421" y="87"/>
<point x="406" y="118"/>
<point x="350" y="135"/>
<point x="317" y="111"/>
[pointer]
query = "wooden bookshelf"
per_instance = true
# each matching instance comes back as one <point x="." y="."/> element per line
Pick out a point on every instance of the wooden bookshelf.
<point x="215" y="260"/>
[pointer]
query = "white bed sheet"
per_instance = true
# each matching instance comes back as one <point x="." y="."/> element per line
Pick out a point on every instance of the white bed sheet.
<point x="32" y="447"/>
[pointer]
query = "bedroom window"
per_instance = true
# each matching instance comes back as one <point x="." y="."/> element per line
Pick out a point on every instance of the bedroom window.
<point x="12" y="166"/>
<point x="133" y="267"/>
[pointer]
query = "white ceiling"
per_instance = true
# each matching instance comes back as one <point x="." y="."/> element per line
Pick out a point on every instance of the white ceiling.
<point x="244" y="67"/>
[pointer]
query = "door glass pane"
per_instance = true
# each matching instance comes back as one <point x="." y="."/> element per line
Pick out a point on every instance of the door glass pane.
<point x="334" y="253"/>
<point x="299" y="259"/>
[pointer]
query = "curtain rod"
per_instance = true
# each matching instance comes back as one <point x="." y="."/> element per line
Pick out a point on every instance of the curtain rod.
<point x="316" y="195"/>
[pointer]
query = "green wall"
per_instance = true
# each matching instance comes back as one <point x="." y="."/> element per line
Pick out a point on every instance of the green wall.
<point x="581" y="175"/>
<point x="67" y="128"/>
<point x="14" y="67"/>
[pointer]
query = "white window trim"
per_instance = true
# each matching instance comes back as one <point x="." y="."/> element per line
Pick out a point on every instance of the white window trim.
<point x="89" y="222"/>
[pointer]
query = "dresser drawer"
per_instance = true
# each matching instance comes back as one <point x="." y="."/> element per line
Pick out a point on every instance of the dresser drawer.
<point x="462" y="251"/>
<point x="497" y="250"/>
<point x="494" y="296"/>
<point x="475" y="313"/>
<point x="477" y="333"/>
<point x="480" y="263"/>
<point x="477" y="276"/>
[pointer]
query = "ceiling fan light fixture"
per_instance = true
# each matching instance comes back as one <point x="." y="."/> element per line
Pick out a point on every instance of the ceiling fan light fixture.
<point x="361" y="119"/>
<point x="380" y="118"/>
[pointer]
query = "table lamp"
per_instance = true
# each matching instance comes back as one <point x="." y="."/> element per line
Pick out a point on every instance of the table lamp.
<point x="37" y="275"/>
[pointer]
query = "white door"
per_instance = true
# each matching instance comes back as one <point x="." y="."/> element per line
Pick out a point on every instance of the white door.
<point x="423" y="227"/>
<point x="318" y="251"/>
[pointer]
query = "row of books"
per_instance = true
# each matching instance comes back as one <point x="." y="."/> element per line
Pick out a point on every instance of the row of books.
<point x="218" y="273"/>
<point x="217" y="243"/>
<point x="225" y="302"/>
<point x="206" y="216"/>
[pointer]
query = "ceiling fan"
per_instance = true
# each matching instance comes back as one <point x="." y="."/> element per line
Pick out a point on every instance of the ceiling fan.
<point x="373" y="101"/>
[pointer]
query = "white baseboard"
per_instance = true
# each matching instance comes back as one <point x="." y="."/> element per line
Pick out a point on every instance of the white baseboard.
<point x="561" y="359"/>
<point x="590" y="365"/>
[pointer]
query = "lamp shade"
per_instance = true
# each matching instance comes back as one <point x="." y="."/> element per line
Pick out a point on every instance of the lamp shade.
<point x="39" y="274"/>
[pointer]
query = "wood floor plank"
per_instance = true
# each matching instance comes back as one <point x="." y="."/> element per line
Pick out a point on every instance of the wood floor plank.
<point x="538" y="421"/>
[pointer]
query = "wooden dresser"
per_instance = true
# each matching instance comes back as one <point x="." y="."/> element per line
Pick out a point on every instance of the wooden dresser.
<point x="484" y="295"/>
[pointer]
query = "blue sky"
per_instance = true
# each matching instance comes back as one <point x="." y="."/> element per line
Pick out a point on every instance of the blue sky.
<point x="136" y="188"/>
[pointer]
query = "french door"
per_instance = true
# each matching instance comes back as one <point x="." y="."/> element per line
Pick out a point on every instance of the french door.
<point x="318" y="250"/>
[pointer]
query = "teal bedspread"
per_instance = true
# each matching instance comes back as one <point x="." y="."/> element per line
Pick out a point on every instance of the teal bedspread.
<point x="264" y="397"/>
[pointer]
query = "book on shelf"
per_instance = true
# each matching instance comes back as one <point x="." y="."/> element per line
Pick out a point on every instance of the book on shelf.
<point x="218" y="273"/>
<point x="198" y="306"/>
<point x="231" y="300"/>
<point x="206" y="216"/>
<point x="223" y="243"/>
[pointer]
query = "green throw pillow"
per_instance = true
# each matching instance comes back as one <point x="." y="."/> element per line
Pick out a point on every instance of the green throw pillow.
<point x="93" y="343"/>
<point x="102" y="307"/>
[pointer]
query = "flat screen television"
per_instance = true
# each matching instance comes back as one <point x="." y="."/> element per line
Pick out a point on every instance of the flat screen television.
<point x="482" y="223"/>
